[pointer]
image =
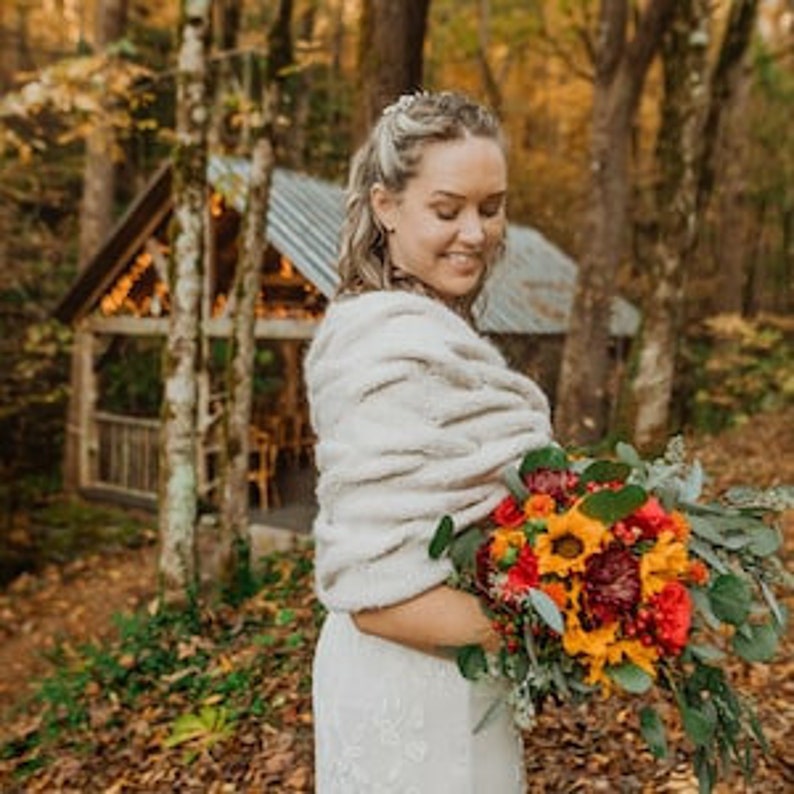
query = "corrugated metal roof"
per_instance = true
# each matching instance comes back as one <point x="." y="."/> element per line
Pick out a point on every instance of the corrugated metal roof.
<point x="531" y="293"/>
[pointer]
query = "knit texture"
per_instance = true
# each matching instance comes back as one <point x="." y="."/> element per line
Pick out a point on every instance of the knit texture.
<point x="416" y="416"/>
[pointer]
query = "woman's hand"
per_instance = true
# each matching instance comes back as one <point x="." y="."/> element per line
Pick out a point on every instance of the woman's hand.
<point x="433" y="621"/>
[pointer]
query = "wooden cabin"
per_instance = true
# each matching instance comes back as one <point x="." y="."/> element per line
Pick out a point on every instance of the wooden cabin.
<point x="119" y="303"/>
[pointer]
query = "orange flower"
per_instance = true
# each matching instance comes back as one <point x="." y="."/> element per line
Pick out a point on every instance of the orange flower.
<point x="504" y="540"/>
<point x="539" y="505"/>
<point x="569" y="540"/>
<point x="698" y="572"/>
<point x="556" y="592"/>
<point x="680" y="526"/>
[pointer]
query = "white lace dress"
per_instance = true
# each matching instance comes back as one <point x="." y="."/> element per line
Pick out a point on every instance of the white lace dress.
<point x="391" y="720"/>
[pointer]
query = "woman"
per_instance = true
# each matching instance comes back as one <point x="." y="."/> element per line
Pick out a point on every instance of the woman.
<point x="416" y="415"/>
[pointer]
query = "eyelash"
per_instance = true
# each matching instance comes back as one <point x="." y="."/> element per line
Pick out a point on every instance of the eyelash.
<point x="450" y="215"/>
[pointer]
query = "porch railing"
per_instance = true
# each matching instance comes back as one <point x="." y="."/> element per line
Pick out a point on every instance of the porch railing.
<point x="126" y="454"/>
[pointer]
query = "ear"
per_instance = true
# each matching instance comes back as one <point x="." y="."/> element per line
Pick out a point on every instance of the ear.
<point x="384" y="205"/>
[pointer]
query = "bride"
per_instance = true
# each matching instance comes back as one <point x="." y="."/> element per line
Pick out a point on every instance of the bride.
<point x="416" y="415"/>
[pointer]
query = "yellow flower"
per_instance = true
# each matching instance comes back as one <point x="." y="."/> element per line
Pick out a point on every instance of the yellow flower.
<point x="665" y="562"/>
<point x="644" y="656"/>
<point x="594" y="645"/>
<point x="569" y="540"/>
<point x="505" y="539"/>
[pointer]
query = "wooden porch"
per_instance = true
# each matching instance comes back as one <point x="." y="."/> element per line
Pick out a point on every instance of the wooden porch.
<point x="123" y="464"/>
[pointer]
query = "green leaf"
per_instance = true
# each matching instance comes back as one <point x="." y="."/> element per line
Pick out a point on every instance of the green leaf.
<point x="761" y="646"/>
<point x="771" y="600"/>
<point x="463" y="548"/>
<point x="442" y="537"/>
<point x="471" y="661"/>
<point x="631" y="678"/>
<point x="612" y="506"/>
<point x="551" y="457"/>
<point x="707" y="554"/>
<point x="764" y="541"/>
<point x="706" y="653"/>
<point x="605" y="471"/>
<point x="699" y="724"/>
<point x="628" y="454"/>
<point x="653" y="731"/>
<point x="549" y="611"/>
<point x="730" y="599"/>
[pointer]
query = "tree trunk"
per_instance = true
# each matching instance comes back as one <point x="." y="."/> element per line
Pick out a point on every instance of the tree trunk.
<point x="178" y="497"/>
<point x="620" y="73"/>
<point x="685" y="63"/>
<point x="390" y="55"/>
<point x="96" y="218"/>
<point x="235" y="534"/>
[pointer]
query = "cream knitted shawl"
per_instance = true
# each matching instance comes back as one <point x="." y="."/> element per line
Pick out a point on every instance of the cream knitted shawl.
<point x="416" y="416"/>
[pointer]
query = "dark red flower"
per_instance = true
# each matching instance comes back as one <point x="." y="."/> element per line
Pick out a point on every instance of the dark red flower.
<point x="559" y="484"/>
<point x="671" y="610"/>
<point x="611" y="583"/>
<point x="508" y="513"/>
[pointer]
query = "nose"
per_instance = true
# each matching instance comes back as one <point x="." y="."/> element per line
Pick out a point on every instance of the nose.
<point x="471" y="229"/>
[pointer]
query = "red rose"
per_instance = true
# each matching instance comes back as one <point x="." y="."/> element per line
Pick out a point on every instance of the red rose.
<point x="508" y="513"/>
<point x="672" y="617"/>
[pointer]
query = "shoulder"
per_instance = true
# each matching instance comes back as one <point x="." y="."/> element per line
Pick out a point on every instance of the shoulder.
<point x="403" y="324"/>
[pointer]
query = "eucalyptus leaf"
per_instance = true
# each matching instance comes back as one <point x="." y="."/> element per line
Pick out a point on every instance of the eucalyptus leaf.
<point x="629" y="455"/>
<point x="512" y="479"/>
<point x="699" y="724"/>
<point x="463" y="548"/>
<point x="631" y="678"/>
<point x="611" y="506"/>
<point x="551" y="457"/>
<point x="703" y="606"/>
<point x="442" y="537"/>
<point x="706" y="652"/>
<point x="707" y="554"/>
<point x="771" y="600"/>
<point x="472" y="662"/>
<point x="730" y="599"/>
<point x="547" y="610"/>
<point x="761" y="646"/>
<point x="765" y="541"/>
<point x="653" y="731"/>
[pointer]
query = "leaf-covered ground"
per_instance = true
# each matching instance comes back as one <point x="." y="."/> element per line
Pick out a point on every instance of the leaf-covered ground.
<point x="218" y="700"/>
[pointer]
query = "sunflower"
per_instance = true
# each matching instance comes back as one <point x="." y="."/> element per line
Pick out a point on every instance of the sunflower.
<point x="569" y="540"/>
<point x="667" y="561"/>
<point x="594" y="645"/>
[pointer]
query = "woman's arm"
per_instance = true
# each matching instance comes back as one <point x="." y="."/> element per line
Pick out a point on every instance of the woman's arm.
<point x="433" y="621"/>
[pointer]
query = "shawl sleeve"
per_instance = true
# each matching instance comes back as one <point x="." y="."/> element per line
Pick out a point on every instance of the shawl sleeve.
<point x="416" y="416"/>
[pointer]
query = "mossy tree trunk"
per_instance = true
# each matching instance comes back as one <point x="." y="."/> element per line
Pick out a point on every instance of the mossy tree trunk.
<point x="620" y="69"/>
<point x="235" y="529"/>
<point x="685" y="66"/>
<point x="178" y="488"/>
<point x="96" y="218"/>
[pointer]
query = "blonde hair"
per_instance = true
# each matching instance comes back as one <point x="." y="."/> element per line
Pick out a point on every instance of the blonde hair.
<point x="391" y="156"/>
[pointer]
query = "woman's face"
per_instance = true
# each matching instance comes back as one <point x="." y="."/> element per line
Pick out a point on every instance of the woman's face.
<point x="448" y="222"/>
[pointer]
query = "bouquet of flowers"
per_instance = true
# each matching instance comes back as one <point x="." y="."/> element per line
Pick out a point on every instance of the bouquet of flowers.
<point x="609" y="574"/>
